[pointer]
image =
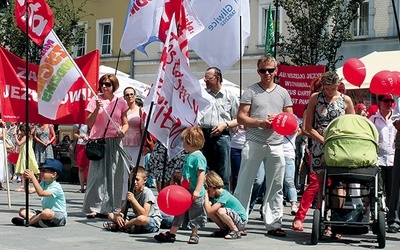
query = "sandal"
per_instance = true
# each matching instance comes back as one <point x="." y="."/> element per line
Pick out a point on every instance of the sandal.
<point x="278" y="232"/>
<point x="243" y="233"/>
<point x="297" y="225"/>
<point x="233" y="234"/>
<point x="165" y="237"/>
<point x="109" y="226"/>
<point x="194" y="239"/>
<point x="219" y="233"/>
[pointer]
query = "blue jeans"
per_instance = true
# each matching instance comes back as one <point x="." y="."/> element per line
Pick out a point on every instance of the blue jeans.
<point x="288" y="182"/>
<point x="217" y="152"/>
<point x="236" y="158"/>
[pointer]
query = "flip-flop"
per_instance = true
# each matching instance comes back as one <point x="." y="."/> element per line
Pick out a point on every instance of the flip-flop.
<point x="297" y="225"/>
<point x="278" y="232"/>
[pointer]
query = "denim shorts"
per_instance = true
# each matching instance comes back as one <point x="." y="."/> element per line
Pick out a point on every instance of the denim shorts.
<point x="151" y="227"/>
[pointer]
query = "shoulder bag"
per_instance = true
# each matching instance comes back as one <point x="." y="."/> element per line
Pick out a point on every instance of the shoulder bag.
<point x="95" y="148"/>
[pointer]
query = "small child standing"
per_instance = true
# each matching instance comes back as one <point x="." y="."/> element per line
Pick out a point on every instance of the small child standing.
<point x="20" y="167"/>
<point x="147" y="217"/>
<point x="193" y="171"/>
<point x="225" y="210"/>
<point x="53" y="199"/>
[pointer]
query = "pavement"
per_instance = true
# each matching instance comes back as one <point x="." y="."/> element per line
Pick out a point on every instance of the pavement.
<point x="83" y="233"/>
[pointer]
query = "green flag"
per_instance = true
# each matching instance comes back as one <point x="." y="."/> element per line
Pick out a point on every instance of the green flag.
<point x="269" y="34"/>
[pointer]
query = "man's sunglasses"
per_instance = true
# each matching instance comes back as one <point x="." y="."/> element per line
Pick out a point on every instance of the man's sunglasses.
<point x="388" y="100"/>
<point x="129" y="94"/>
<point x="263" y="71"/>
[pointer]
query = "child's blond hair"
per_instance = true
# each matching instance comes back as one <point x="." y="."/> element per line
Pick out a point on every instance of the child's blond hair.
<point x="194" y="137"/>
<point x="141" y="171"/>
<point x="213" y="180"/>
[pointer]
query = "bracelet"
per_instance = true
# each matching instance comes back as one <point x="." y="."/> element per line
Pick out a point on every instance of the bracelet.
<point x="227" y="125"/>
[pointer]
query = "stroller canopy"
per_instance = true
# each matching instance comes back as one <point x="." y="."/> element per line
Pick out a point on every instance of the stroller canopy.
<point x="351" y="141"/>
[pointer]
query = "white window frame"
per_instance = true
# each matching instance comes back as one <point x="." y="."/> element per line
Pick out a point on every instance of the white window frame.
<point x="262" y="12"/>
<point x="356" y="32"/>
<point x="84" y="46"/>
<point x="99" y="35"/>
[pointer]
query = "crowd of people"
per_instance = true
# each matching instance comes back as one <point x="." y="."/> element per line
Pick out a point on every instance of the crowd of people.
<point x="231" y="159"/>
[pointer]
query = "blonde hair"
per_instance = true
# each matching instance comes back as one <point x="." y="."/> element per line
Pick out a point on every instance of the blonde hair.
<point x="140" y="171"/>
<point x="213" y="180"/>
<point x="330" y="78"/>
<point x="194" y="137"/>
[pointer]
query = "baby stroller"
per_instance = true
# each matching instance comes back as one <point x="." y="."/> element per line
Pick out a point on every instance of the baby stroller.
<point x="350" y="198"/>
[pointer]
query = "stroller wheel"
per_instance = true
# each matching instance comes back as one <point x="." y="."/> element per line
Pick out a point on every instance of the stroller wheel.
<point x="315" y="233"/>
<point x="381" y="232"/>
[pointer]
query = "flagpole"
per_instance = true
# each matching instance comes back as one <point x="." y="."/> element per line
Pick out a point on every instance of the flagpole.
<point x="84" y="79"/>
<point x="396" y="19"/>
<point x="144" y="136"/>
<point x="27" y="113"/>
<point x="240" y="60"/>
<point x="6" y="166"/>
<point x="276" y="26"/>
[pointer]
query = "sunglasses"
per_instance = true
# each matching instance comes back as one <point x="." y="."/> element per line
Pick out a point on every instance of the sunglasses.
<point x="208" y="79"/>
<point x="263" y="71"/>
<point x="388" y="100"/>
<point x="106" y="84"/>
<point x="129" y="94"/>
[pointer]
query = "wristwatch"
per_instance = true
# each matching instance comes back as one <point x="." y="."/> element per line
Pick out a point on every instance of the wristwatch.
<point x="227" y="125"/>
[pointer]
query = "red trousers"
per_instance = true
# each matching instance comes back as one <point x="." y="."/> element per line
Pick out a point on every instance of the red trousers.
<point x="308" y="197"/>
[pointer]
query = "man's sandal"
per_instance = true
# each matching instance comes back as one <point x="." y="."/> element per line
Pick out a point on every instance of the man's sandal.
<point x="194" y="239"/>
<point x="233" y="235"/>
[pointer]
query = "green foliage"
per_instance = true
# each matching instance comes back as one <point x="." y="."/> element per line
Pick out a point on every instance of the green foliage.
<point x="66" y="18"/>
<point x="317" y="29"/>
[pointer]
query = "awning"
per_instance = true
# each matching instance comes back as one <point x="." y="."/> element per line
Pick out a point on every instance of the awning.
<point x="375" y="62"/>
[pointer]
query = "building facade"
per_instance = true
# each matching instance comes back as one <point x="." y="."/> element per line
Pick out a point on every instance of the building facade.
<point x="374" y="30"/>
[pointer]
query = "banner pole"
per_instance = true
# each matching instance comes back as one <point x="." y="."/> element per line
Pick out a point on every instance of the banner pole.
<point x="26" y="181"/>
<point x="6" y="167"/>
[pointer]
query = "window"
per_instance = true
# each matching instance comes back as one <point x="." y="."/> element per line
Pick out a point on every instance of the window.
<point x="263" y="16"/>
<point x="80" y="47"/>
<point x="359" y="27"/>
<point x="104" y="37"/>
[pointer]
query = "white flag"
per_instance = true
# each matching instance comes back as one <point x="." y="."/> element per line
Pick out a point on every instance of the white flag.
<point x="222" y="22"/>
<point x="57" y="73"/>
<point x="143" y="19"/>
<point x="179" y="100"/>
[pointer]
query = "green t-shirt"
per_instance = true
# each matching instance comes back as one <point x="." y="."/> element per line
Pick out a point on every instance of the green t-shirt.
<point x="227" y="200"/>
<point x="56" y="201"/>
<point x="192" y="164"/>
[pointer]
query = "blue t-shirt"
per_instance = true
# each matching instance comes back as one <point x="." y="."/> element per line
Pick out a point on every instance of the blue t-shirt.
<point x="227" y="200"/>
<point x="192" y="164"/>
<point x="56" y="201"/>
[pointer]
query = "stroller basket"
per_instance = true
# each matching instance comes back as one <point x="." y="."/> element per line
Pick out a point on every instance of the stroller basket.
<point x="349" y="174"/>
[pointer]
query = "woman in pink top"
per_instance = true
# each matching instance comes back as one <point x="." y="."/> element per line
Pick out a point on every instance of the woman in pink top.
<point x="133" y="137"/>
<point x="104" y="185"/>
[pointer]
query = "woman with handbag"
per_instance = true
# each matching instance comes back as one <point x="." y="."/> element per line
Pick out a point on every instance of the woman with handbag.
<point x="104" y="185"/>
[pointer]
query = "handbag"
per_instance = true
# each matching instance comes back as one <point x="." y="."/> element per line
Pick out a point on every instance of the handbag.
<point x="9" y="144"/>
<point x="95" y="148"/>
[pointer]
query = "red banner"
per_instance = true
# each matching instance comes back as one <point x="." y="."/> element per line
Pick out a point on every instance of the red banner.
<point x="296" y="80"/>
<point x="40" y="19"/>
<point x="13" y="90"/>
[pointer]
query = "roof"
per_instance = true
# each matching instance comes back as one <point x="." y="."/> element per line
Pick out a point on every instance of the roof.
<point x="374" y="63"/>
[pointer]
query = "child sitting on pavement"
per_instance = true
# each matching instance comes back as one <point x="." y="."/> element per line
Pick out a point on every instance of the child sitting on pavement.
<point x="147" y="217"/>
<point x="224" y="209"/>
<point x="53" y="199"/>
<point x="193" y="172"/>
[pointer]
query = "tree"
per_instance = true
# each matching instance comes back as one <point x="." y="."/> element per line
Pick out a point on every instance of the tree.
<point x="66" y="26"/>
<point x="317" y="29"/>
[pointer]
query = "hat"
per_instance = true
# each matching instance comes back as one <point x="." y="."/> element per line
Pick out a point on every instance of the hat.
<point x="385" y="97"/>
<point x="54" y="165"/>
<point x="372" y="110"/>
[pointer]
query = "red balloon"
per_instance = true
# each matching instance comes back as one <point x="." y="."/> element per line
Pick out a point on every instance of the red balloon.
<point x="13" y="157"/>
<point x="174" y="200"/>
<point x="396" y="89"/>
<point x="354" y="71"/>
<point x="285" y="124"/>
<point x="383" y="82"/>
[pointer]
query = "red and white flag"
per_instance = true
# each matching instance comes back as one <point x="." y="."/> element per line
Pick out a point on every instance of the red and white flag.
<point x="40" y="18"/>
<point x="179" y="100"/>
<point x="13" y="90"/>
<point x="222" y="21"/>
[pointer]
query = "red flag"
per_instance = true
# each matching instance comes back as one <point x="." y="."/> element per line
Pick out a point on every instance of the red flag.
<point x="40" y="19"/>
<point x="177" y="8"/>
<point x="13" y="90"/>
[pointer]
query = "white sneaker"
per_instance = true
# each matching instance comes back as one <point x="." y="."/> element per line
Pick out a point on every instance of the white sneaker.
<point x="294" y="209"/>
